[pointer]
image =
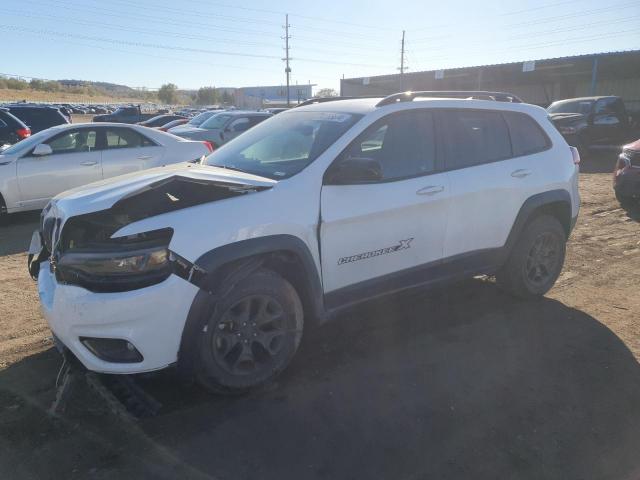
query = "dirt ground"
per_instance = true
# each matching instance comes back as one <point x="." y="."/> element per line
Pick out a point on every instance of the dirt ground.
<point x="460" y="383"/>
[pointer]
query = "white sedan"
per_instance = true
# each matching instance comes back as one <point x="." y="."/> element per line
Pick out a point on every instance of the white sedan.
<point x="67" y="156"/>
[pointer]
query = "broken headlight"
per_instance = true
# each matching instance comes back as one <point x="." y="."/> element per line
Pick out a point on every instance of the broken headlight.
<point x="125" y="264"/>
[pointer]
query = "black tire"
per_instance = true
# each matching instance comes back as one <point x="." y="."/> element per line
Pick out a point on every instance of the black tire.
<point x="627" y="203"/>
<point x="251" y="335"/>
<point x="3" y="211"/>
<point x="536" y="260"/>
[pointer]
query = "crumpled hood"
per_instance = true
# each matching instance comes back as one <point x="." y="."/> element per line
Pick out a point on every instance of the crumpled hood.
<point x="104" y="194"/>
<point x="566" y="118"/>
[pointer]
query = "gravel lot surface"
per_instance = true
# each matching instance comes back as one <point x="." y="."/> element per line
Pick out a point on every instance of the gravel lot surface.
<point x="460" y="383"/>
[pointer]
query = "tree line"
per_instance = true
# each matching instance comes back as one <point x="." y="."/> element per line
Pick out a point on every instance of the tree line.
<point x="170" y="95"/>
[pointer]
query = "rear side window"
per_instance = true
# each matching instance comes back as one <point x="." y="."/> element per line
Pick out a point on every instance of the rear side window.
<point x="126" y="138"/>
<point x="39" y="117"/>
<point x="526" y="135"/>
<point x="473" y="137"/>
<point x="403" y="143"/>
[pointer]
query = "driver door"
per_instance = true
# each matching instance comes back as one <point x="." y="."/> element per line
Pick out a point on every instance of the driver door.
<point x="381" y="235"/>
<point x="74" y="161"/>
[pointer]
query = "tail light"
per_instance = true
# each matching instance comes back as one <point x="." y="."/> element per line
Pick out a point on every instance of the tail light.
<point x="210" y="146"/>
<point x="576" y="155"/>
<point x="23" y="132"/>
<point x="622" y="163"/>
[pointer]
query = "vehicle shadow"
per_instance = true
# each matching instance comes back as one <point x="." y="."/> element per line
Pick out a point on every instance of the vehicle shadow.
<point x="462" y="383"/>
<point x="15" y="232"/>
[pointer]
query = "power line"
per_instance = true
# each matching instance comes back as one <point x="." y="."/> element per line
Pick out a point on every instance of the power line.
<point x="142" y="30"/>
<point x="172" y="47"/>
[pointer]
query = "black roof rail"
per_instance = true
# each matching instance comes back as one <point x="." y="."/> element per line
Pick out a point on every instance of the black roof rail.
<point x="311" y="101"/>
<point x="469" y="94"/>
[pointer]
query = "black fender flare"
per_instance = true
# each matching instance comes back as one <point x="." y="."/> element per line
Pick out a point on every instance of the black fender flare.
<point x="529" y="209"/>
<point x="245" y="256"/>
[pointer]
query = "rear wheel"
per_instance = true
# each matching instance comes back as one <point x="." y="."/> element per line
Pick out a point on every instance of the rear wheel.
<point x="536" y="260"/>
<point x="251" y="336"/>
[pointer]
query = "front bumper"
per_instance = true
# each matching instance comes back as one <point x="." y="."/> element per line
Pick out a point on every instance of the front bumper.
<point x="151" y="318"/>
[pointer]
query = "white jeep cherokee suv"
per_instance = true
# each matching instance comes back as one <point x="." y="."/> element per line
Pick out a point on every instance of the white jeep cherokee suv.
<point x="218" y="267"/>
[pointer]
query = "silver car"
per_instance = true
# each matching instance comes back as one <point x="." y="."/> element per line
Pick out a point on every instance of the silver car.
<point x="224" y="126"/>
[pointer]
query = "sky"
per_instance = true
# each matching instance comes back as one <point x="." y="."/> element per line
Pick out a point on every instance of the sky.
<point x="195" y="43"/>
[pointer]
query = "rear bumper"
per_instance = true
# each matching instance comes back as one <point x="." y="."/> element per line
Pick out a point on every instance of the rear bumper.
<point x="151" y="318"/>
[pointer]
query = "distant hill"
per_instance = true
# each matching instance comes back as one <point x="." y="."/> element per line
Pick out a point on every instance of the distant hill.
<point x="106" y="86"/>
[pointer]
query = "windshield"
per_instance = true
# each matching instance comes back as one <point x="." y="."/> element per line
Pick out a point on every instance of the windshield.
<point x="582" y="106"/>
<point x="216" y="121"/>
<point x="199" y="119"/>
<point x="27" y="143"/>
<point x="283" y="145"/>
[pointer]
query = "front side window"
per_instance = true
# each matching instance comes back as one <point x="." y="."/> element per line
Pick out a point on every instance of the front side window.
<point x="126" y="138"/>
<point x="473" y="137"/>
<point x="239" y="125"/>
<point x="75" y="141"/>
<point x="283" y="145"/>
<point x="403" y="144"/>
<point x="526" y="135"/>
<point x="215" y="122"/>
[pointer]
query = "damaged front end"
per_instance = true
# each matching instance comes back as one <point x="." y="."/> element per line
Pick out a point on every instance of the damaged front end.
<point x="83" y="251"/>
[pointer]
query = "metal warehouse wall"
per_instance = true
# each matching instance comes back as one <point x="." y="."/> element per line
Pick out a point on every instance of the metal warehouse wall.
<point x="543" y="82"/>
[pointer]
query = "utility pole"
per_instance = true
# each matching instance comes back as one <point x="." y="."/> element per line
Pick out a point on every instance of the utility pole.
<point x="287" y="58"/>
<point x="402" y="67"/>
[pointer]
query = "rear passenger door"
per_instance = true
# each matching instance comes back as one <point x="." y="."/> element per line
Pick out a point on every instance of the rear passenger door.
<point x="375" y="234"/>
<point x="496" y="160"/>
<point x="126" y="150"/>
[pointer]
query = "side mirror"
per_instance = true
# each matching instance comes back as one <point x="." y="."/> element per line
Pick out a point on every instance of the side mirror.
<point x="41" y="150"/>
<point x="354" y="170"/>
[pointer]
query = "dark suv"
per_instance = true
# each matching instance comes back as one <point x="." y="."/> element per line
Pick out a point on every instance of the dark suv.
<point x="590" y="121"/>
<point x="38" y="118"/>
<point x="12" y="129"/>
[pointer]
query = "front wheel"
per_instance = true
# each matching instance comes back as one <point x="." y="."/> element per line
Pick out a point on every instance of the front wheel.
<point x="252" y="334"/>
<point x="536" y="260"/>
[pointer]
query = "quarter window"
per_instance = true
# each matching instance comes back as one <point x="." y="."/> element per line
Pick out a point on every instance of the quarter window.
<point x="126" y="138"/>
<point x="403" y="144"/>
<point x="474" y="137"/>
<point x="526" y="135"/>
<point x="76" y="141"/>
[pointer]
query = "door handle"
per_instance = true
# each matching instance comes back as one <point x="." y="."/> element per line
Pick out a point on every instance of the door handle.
<point x="144" y="157"/>
<point x="88" y="164"/>
<point x="521" y="173"/>
<point x="430" y="190"/>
